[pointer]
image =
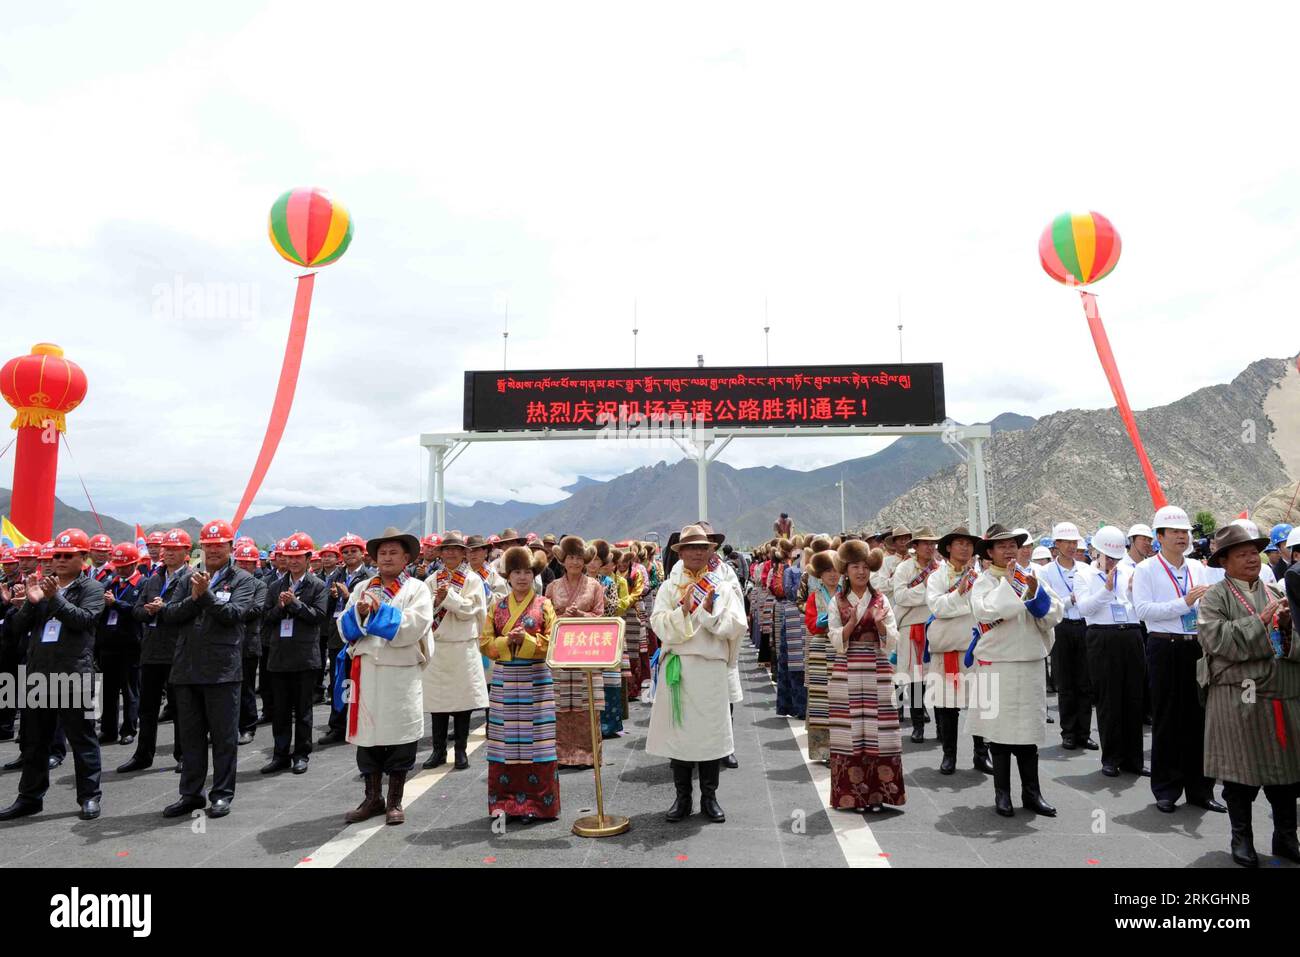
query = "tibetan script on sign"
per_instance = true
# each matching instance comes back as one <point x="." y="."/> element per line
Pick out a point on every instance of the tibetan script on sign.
<point x="777" y="396"/>
<point x="586" y="643"/>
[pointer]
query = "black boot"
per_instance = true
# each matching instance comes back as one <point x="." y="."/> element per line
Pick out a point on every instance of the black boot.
<point x="1030" y="794"/>
<point x="439" y="756"/>
<point x="1002" y="783"/>
<point x="982" y="762"/>
<point x="709" y="807"/>
<point x="461" y="721"/>
<point x="1284" y="825"/>
<point x="918" y="725"/>
<point x="1239" y="823"/>
<point x="682" y="783"/>
<point x="945" y="720"/>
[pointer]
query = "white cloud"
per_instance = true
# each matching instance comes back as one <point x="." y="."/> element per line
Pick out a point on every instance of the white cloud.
<point x="568" y="158"/>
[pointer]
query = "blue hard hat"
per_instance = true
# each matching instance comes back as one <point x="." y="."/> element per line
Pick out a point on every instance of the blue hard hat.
<point x="261" y="554"/>
<point x="1046" y="541"/>
<point x="1278" y="534"/>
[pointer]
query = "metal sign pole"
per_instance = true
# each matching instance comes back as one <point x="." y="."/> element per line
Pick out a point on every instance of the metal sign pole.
<point x="599" y="825"/>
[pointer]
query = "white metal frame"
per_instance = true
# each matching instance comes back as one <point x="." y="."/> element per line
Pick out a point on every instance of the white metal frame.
<point x="704" y="446"/>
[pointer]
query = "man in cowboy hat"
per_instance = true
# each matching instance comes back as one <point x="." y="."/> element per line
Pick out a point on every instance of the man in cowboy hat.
<point x="453" y="682"/>
<point x="60" y="612"/>
<point x="907" y="591"/>
<point x="699" y="619"/>
<point x="1245" y="629"/>
<point x="387" y="627"/>
<point x="295" y="611"/>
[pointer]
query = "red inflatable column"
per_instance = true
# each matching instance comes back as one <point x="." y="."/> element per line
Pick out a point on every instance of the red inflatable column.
<point x="42" y="388"/>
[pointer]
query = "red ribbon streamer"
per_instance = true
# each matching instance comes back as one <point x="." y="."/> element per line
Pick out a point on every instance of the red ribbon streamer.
<point x="1121" y="398"/>
<point x="354" y="696"/>
<point x="1279" y="722"/>
<point x="283" y="393"/>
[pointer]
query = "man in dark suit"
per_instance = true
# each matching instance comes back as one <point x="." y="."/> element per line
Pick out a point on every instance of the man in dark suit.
<point x="169" y="585"/>
<point x="353" y="571"/>
<point x="207" y="671"/>
<point x="246" y="557"/>
<point x="295" y="612"/>
<point x="119" y="646"/>
<point x="60" y="612"/>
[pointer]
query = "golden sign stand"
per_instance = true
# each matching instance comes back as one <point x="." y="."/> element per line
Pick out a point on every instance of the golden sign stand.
<point x="599" y="824"/>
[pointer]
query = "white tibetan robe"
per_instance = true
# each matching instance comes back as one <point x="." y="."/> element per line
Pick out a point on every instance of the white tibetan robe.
<point x="453" y="680"/>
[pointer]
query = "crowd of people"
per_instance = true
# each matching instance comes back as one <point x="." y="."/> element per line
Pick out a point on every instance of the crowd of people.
<point x="859" y="632"/>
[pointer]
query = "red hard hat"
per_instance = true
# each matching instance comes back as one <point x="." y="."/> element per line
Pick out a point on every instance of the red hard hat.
<point x="177" y="538"/>
<point x="494" y="539"/>
<point x="246" y="553"/>
<point x="332" y="548"/>
<point x="245" y="540"/>
<point x="431" y="541"/>
<point x="101" y="543"/>
<point x="351" y="541"/>
<point x="71" y="540"/>
<point x="155" y="538"/>
<point x="28" y="550"/>
<point x="47" y="550"/>
<point x="8" y="557"/>
<point x="216" y="532"/>
<point x="299" y="543"/>
<point x="124" y="555"/>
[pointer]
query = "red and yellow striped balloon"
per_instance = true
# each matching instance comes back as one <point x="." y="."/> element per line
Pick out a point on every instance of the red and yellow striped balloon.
<point x="309" y="228"/>
<point x="1079" y="248"/>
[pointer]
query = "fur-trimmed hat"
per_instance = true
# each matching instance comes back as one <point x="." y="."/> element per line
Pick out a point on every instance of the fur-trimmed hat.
<point x="602" y="549"/>
<point x="819" y="543"/>
<point x="540" y="560"/>
<point x="516" y="559"/>
<point x="821" y="563"/>
<point x="852" y="552"/>
<point x="569" y="545"/>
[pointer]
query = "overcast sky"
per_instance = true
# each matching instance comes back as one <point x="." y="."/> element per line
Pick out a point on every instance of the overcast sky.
<point x="569" y="159"/>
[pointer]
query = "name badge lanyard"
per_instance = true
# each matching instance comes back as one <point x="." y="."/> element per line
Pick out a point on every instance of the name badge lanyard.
<point x="1179" y="585"/>
<point x="1060" y="573"/>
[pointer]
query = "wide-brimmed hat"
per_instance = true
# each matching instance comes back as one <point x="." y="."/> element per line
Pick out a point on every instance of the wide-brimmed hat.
<point x="899" y="531"/>
<point x="692" y="535"/>
<point x="961" y="531"/>
<point x="717" y="538"/>
<point x="509" y="537"/>
<point x="997" y="533"/>
<point x="924" y="534"/>
<point x="476" y="541"/>
<point x="1228" y="537"/>
<point x="391" y="534"/>
<point x="453" y="539"/>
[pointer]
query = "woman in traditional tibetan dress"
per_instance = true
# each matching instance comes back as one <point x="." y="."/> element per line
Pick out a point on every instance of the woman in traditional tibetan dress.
<point x="521" y="717"/>
<point x="575" y="595"/>
<point x="866" y="745"/>
<point x="823" y="585"/>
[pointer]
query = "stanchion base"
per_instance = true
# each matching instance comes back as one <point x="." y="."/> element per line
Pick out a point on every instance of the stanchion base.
<point x="595" y="826"/>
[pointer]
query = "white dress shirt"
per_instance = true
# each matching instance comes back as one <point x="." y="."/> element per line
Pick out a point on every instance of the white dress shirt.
<point x="1062" y="582"/>
<point x="1156" y="598"/>
<point x="1101" y="605"/>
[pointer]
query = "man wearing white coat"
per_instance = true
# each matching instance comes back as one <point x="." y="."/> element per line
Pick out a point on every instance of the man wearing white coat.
<point x="700" y="620"/>
<point x="387" y="627"/>
<point x="1015" y="617"/>
<point x="453" y="681"/>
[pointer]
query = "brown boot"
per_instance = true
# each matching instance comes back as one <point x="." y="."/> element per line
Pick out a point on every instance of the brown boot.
<point x="372" y="804"/>
<point x="396" y="783"/>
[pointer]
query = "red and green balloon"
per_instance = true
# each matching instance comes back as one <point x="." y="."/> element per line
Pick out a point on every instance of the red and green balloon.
<point x="1077" y="249"/>
<point x="310" y="228"/>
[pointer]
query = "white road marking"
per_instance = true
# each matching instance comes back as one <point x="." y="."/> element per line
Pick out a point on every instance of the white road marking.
<point x="857" y="843"/>
<point x="335" y="851"/>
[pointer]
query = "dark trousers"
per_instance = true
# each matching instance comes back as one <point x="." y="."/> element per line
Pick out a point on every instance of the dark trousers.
<point x="248" y="697"/>
<point x="1177" y="720"/>
<point x="1073" y="689"/>
<point x="9" y="666"/>
<point x="204" y="710"/>
<point x="1281" y="797"/>
<point x="1118" y="672"/>
<point x="58" y="746"/>
<point x="121" y="680"/>
<point x="264" y="680"/>
<point x="292" y="697"/>
<point x="40" y="726"/>
<point x="153" y="679"/>
<point x="387" y="758"/>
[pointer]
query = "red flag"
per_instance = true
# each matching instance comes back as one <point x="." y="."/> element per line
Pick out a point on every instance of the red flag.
<point x="1245" y="514"/>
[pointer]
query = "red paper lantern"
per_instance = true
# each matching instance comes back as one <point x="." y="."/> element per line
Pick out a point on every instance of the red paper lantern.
<point x="42" y="386"/>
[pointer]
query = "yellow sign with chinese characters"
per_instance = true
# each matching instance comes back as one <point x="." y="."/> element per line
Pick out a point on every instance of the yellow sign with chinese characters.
<point x="586" y="643"/>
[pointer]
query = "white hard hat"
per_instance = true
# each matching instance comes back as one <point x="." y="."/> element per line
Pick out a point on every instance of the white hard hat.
<point x="1109" y="540"/>
<point x="1065" y="531"/>
<point x="1135" y="530"/>
<point x="1041" y="552"/>
<point x="1293" y="540"/>
<point x="1249" y="526"/>
<point x="1171" y="516"/>
<point x="1022" y="531"/>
